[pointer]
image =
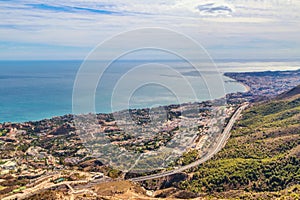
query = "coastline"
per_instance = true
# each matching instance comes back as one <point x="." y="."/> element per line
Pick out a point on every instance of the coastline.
<point x="248" y="88"/>
<point x="233" y="76"/>
<point x="70" y="113"/>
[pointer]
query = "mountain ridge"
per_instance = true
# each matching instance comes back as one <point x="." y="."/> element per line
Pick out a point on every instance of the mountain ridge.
<point x="291" y="93"/>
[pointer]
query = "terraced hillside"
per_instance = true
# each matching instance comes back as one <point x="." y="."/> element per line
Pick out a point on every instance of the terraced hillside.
<point x="262" y="157"/>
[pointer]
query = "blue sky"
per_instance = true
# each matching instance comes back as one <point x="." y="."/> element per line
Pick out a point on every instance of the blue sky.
<point x="246" y="29"/>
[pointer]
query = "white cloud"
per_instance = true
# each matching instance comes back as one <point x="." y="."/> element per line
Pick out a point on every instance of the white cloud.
<point x="85" y="23"/>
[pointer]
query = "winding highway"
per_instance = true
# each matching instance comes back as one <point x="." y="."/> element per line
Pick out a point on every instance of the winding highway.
<point x="209" y="155"/>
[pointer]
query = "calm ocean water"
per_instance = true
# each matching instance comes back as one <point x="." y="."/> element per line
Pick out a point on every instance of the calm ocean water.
<point x="34" y="90"/>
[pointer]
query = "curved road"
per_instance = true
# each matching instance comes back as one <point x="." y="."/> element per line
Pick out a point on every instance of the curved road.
<point x="220" y="145"/>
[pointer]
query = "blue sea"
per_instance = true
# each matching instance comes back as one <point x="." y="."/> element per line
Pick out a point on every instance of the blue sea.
<point x="34" y="90"/>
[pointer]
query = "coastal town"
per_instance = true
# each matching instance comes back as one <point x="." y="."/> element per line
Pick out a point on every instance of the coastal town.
<point x="68" y="153"/>
<point x="263" y="85"/>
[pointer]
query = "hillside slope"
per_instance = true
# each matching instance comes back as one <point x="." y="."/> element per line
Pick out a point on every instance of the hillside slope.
<point x="262" y="155"/>
<point x="291" y="93"/>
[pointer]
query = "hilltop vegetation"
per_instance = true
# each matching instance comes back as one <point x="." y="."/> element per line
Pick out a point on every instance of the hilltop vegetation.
<point x="262" y="155"/>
